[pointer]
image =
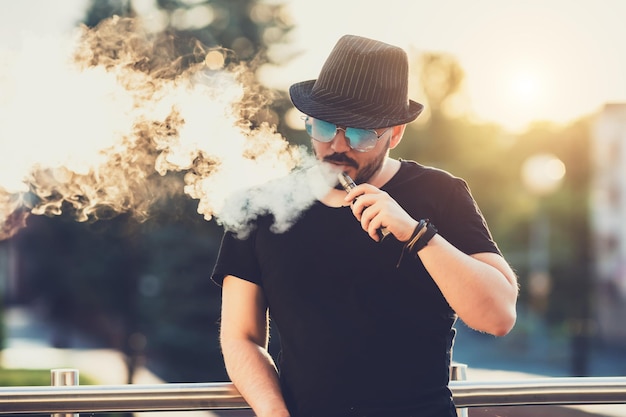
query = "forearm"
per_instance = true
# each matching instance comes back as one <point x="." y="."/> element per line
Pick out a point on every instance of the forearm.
<point x="254" y="374"/>
<point x="482" y="289"/>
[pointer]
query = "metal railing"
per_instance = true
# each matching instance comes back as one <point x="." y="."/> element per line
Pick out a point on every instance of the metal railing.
<point x="224" y="396"/>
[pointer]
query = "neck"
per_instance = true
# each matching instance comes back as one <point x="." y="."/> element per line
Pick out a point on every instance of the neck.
<point x="387" y="170"/>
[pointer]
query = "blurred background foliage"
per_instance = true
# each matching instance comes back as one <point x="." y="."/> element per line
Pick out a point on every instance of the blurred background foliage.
<point x="144" y="288"/>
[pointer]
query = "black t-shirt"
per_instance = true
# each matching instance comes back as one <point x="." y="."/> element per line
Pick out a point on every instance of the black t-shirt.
<point x="356" y="330"/>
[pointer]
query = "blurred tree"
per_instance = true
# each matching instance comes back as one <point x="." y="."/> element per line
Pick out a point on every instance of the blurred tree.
<point x="100" y="10"/>
<point x="74" y="274"/>
<point x="247" y="30"/>
<point x="141" y="288"/>
<point x="2" y="325"/>
<point x="441" y="77"/>
<point x="179" y="306"/>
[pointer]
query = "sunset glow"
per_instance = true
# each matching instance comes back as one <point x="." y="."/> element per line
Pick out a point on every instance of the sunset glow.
<point x="523" y="61"/>
<point x="553" y="60"/>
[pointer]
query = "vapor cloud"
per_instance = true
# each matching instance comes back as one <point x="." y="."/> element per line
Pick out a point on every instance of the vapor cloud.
<point x="97" y="123"/>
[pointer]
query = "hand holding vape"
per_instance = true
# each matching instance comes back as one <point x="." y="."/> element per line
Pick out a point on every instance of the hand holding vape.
<point x="348" y="184"/>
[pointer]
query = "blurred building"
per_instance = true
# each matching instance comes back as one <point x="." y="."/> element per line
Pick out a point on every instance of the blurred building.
<point x="608" y="220"/>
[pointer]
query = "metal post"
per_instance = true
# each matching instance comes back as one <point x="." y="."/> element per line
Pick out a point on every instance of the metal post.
<point x="62" y="378"/>
<point x="458" y="372"/>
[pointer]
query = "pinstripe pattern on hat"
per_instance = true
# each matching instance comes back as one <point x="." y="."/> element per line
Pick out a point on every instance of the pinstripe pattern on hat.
<point x="363" y="83"/>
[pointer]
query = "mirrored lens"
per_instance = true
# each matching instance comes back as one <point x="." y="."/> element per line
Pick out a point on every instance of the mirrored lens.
<point x="320" y="130"/>
<point x="361" y="139"/>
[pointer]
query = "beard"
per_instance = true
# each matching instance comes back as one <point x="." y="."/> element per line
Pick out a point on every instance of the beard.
<point x="363" y="173"/>
<point x="370" y="169"/>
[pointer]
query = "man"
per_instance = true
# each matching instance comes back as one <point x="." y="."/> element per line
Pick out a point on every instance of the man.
<point x="365" y="320"/>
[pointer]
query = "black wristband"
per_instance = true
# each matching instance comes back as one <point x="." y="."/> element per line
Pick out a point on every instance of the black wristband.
<point x="419" y="229"/>
<point x="424" y="231"/>
<point x="431" y="231"/>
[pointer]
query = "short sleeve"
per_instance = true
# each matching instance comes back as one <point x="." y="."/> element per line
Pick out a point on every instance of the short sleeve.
<point x="463" y="224"/>
<point x="237" y="257"/>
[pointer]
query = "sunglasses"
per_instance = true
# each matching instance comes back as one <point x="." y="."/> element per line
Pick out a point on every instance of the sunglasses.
<point x="361" y="140"/>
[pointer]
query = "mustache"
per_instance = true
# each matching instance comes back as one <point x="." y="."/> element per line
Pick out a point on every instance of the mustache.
<point x="341" y="158"/>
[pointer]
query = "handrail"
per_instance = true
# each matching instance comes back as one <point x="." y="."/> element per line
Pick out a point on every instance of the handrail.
<point x="540" y="391"/>
<point x="110" y="398"/>
<point x="223" y="395"/>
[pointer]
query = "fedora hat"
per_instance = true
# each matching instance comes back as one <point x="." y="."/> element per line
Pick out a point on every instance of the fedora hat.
<point x="363" y="83"/>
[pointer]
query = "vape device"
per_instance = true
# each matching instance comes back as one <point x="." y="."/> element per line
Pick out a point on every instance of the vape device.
<point x="348" y="184"/>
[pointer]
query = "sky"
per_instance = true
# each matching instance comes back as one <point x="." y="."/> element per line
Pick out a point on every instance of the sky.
<point x="524" y="60"/>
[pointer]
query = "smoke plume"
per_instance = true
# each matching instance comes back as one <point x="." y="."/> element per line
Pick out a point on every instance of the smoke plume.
<point x="95" y="125"/>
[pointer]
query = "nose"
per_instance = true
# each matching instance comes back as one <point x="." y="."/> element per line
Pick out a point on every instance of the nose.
<point x="340" y="143"/>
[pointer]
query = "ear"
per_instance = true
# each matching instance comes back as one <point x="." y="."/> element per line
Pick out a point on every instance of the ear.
<point x="396" y="136"/>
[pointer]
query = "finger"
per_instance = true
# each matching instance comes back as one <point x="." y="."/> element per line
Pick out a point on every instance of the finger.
<point x="369" y="220"/>
<point x="358" y="207"/>
<point x="353" y="195"/>
<point x="373" y="229"/>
